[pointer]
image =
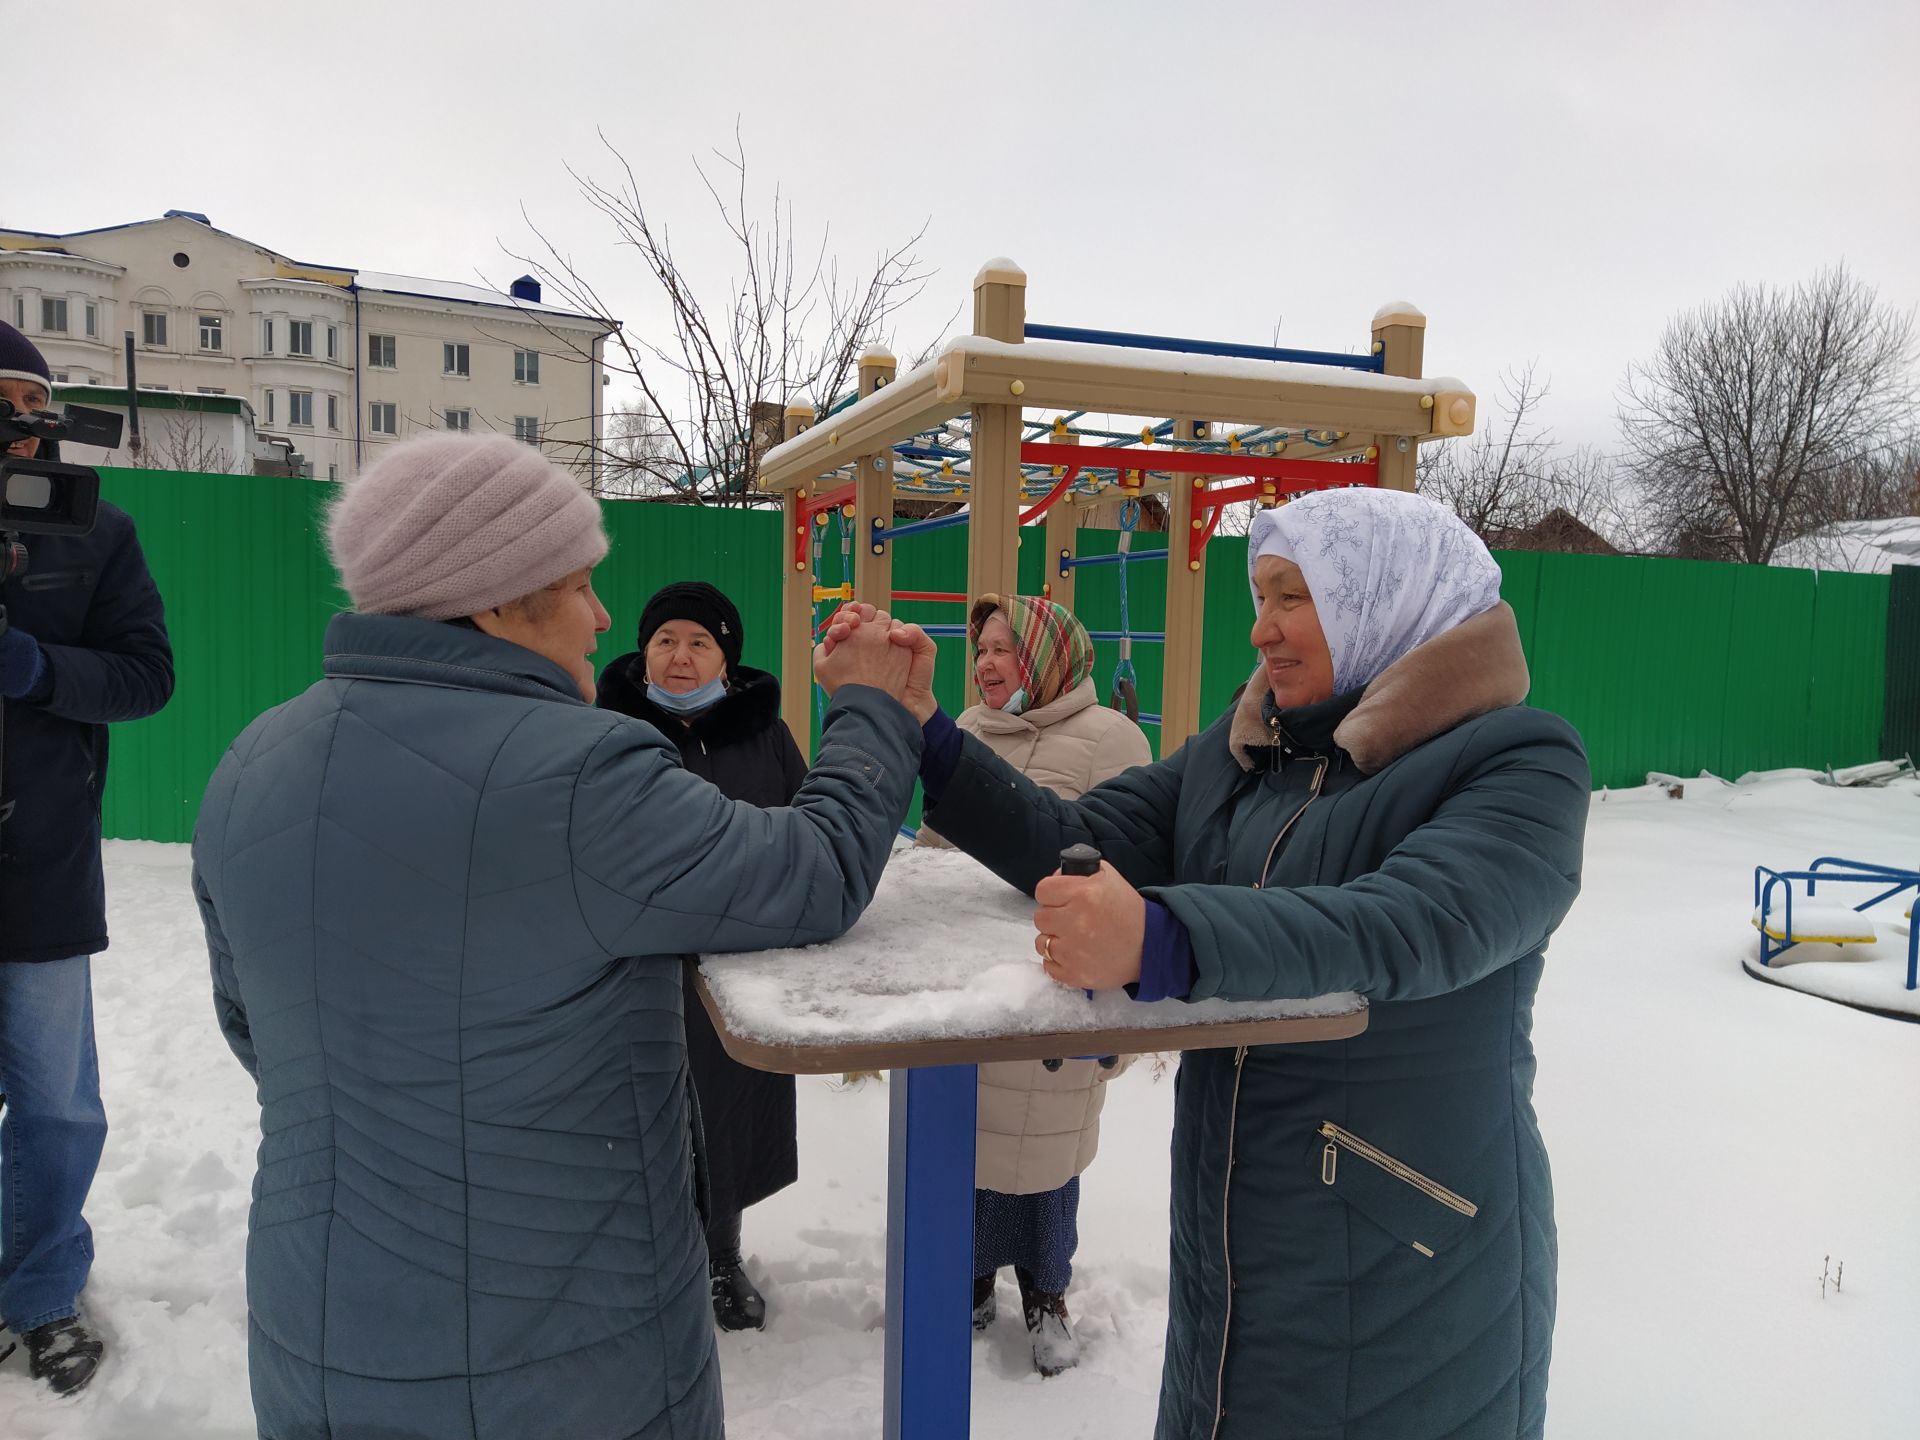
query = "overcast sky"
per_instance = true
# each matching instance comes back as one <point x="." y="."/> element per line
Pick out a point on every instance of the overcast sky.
<point x="1547" y="182"/>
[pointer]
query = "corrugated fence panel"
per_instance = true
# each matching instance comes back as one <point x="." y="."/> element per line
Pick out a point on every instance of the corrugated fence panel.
<point x="1846" y="696"/>
<point x="248" y="596"/>
<point x="1661" y="664"/>
<point x="1900" y="729"/>
<point x="1763" y="719"/>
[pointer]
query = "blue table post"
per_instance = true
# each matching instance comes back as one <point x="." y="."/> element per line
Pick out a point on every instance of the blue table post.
<point x="929" y="1371"/>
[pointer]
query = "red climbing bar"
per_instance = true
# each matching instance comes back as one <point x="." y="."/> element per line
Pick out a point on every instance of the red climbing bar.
<point x="938" y="597"/>
<point x="1027" y="517"/>
<point x="812" y="506"/>
<point x="1197" y="544"/>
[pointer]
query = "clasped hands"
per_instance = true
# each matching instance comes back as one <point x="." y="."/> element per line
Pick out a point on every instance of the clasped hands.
<point x="1089" y="929"/>
<point x="865" y="646"/>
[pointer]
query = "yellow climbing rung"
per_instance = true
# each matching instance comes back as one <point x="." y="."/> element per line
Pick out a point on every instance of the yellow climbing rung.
<point x="832" y="592"/>
<point x="1818" y="925"/>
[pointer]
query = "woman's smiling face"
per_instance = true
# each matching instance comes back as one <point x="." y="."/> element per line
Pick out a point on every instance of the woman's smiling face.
<point x="1293" y="649"/>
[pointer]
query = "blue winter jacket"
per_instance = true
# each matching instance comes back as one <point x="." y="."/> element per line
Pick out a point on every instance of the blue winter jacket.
<point x="447" y="904"/>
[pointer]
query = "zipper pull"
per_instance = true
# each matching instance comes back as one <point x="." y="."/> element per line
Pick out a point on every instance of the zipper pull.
<point x="1329" y="1161"/>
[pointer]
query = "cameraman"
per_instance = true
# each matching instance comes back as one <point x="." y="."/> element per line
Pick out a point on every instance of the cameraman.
<point x="85" y="645"/>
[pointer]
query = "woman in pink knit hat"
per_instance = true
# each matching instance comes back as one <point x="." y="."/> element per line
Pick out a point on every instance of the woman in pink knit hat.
<point x="447" y="902"/>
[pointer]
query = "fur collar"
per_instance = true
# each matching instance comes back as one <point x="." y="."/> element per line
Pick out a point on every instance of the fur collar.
<point x="1474" y="668"/>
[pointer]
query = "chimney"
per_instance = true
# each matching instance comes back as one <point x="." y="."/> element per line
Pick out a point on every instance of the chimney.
<point x="526" y="288"/>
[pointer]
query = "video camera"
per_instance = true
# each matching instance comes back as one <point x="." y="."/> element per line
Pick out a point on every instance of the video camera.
<point x="47" y="497"/>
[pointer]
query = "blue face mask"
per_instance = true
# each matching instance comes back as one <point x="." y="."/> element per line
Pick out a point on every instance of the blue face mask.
<point x="691" y="703"/>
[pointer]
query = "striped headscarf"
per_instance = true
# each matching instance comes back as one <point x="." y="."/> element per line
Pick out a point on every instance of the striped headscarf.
<point x="1052" y="648"/>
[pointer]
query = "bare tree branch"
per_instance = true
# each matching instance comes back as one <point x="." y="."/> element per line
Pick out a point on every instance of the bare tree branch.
<point x="1754" y="411"/>
<point x="790" y="328"/>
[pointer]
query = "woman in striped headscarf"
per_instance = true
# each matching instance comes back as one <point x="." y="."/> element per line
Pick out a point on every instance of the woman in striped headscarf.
<point x="1039" y="1121"/>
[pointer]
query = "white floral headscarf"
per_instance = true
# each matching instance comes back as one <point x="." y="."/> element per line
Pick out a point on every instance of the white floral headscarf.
<point x="1387" y="570"/>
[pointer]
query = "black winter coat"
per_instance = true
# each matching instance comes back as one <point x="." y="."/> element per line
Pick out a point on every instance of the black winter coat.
<point x="92" y="605"/>
<point x="744" y="749"/>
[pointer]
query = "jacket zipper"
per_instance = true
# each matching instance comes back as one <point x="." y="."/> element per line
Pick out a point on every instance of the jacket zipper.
<point x="1339" y="1139"/>
<point x="1313" y="793"/>
<point x="1226" y="1247"/>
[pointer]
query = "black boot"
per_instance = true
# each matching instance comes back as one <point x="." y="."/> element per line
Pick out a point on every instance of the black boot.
<point x="64" y="1353"/>
<point x="736" y="1304"/>
<point x="984" y="1304"/>
<point x="1054" y="1347"/>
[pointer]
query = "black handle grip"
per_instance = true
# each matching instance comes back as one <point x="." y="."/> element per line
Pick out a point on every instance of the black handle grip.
<point x="1080" y="860"/>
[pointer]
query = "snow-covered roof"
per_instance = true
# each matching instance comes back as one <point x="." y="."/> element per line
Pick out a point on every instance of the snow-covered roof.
<point x="1865" y="547"/>
<point x="455" y="291"/>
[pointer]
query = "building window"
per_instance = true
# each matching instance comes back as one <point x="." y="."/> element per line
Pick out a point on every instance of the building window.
<point x="453" y="359"/>
<point x="19" y="312"/>
<point x="212" y="338"/>
<point x="333" y="343"/>
<point x="459" y="419"/>
<point x="383" y="418"/>
<point x="300" y="337"/>
<point x="333" y="412"/>
<point x="153" y="327"/>
<point x="210" y="390"/>
<point x="59" y="377"/>
<point x="527" y="428"/>
<point x="380" y="352"/>
<point x="300" y="407"/>
<point x="93" y="320"/>
<point x="333" y="472"/>
<point x="53" y="315"/>
<point x="526" y="367"/>
<point x="269" y="395"/>
<point x="266" y="337"/>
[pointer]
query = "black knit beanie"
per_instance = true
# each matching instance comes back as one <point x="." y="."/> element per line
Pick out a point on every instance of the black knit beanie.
<point x="699" y="602"/>
<point x="20" y="359"/>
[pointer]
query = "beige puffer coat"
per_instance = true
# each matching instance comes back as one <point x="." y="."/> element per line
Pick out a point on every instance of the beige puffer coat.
<point x="1039" y="1128"/>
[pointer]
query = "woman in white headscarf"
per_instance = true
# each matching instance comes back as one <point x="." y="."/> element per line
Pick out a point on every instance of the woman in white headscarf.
<point x="1362" y="1230"/>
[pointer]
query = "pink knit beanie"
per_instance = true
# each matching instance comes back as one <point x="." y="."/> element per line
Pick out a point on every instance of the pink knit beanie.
<point x="450" y="525"/>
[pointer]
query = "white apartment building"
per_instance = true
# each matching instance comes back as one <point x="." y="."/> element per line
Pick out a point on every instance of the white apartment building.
<point x="334" y="361"/>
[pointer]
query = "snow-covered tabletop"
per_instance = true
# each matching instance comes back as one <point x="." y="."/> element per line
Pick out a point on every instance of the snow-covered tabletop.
<point x="941" y="970"/>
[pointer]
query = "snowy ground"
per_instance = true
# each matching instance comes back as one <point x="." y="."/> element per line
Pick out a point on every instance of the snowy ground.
<point x="1714" y="1140"/>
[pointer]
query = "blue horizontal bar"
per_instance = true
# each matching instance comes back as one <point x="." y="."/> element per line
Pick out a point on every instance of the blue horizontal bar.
<point x="945" y="632"/>
<point x="1150" y="637"/>
<point x="1149" y="719"/>
<point x="1374" y="363"/>
<point x="1113" y="559"/>
<point x="945" y="522"/>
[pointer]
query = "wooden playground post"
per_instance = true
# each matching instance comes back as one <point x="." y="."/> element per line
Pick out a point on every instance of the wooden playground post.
<point x="1063" y="526"/>
<point x="1400" y="338"/>
<point x="796" y="602"/>
<point x="993" y="529"/>
<point x="873" y="499"/>
<point x="1186" y="601"/>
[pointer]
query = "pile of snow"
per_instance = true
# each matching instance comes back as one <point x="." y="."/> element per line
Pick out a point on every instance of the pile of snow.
<point x="1715" y="1143"/>
<point x="944" y="952"/>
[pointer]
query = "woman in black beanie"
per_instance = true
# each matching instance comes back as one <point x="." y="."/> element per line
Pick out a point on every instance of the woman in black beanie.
<point x="687" y="681"/>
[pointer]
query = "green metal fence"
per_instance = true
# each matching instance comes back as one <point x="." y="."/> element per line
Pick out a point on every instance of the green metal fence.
<point x="1900" y="734"/>
<point x="1662" y="664"/>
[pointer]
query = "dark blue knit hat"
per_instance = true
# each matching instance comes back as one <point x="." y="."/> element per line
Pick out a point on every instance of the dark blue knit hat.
<point x="20" y="359"/>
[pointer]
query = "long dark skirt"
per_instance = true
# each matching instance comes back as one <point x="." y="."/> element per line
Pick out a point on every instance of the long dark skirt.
<point x="750" y="1143"/>
<point x="1037" y="1233"/>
